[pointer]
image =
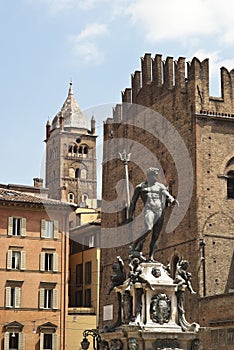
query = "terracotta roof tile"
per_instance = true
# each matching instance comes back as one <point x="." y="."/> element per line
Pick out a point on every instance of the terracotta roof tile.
<point x="22" y="197"/>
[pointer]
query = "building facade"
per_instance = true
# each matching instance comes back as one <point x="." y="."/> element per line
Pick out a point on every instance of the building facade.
<point x="34" y="271"/>
<point x="205" y="234"/>
<point x="84" y="281"/>
<point x="71" y="176"/>
<point x="71" y="155"/>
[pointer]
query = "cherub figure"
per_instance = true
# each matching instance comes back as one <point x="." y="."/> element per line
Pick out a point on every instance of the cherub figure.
<point x="119" y="275"/>
<point x="135" y="274"/>
<point x="182" y="277"/>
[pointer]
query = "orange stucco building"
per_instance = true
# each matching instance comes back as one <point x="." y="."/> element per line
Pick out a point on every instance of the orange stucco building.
<point x="33" y="270"/>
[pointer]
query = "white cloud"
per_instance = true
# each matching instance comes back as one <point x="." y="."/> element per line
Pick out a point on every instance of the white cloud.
<point x="83" y="45"/>
<point x="92" y="30"/>
<point x="181" y="19"/>
<point x="87" y="52"/>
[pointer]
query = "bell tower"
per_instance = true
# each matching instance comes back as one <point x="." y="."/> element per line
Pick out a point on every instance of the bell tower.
<point x="71" y="155"/>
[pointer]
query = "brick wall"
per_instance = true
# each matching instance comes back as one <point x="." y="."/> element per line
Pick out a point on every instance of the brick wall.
<point x="206" y="125"/>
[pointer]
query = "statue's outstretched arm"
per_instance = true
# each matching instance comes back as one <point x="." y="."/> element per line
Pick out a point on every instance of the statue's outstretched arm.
<point x="171" y="199"/>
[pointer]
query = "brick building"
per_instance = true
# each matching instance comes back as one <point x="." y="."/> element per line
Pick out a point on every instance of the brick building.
<point x="33" y="269"/>
<point x="205" y="234"/>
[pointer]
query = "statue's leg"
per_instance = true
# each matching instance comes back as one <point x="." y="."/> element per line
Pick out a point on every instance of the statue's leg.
<point x="137" y="245"/>
<point x="155" y="234"/>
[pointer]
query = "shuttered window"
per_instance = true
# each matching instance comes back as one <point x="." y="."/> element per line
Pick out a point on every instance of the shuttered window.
<point x="16" y="226"/>
<point x="13" y="297"/>
<point x="16" y="260"/>
<point x="48" y="262"/>
<point x="79" y="298"/>
<point x="49" y="229"/>
<point x="14" y="341"/>
<point x="88" y="302"/>
<point x="79" y="274"/>
<point x="48" y="341"/>
<point x="88" y="272"/>
<point x="48" y="298"/>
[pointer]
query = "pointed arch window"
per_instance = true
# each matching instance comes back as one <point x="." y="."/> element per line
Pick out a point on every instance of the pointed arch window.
<point x="77" y="173"/>
<point x="75" y="149"/>
<point x="230" y="184"/>
<point x="71" y="197"/>
<point x="83" y="150"/>
<point x="85" y="197"/>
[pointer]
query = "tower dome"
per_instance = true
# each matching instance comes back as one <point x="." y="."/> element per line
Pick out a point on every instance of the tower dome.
<point x="71" y="112"/>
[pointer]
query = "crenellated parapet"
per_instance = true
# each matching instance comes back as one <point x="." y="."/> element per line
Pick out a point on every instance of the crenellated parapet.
<point x="159" y="78"/>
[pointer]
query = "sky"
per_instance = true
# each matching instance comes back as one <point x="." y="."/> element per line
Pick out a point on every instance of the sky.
<point x="98" y="44"/>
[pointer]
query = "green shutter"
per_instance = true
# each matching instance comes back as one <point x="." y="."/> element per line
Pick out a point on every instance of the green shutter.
<point x="43" y="228"/>
<point x="41" y="298"/>
<point x="21" y="341"/>
<point x="23" y="227"/>
<point x="56" y="229"/>
<point x="10" y="226"/>
<point x="55" y="262"/>
<point x="55" y="299"/>
<point x="9" y="260"/>
<point x="17" y="297"/>
<point x="54" y="341"/>
<point x="8" y="296"/>
<point x="42" y="261"/>
<point x="22" y="260"/>
<point x="6" y="340"/>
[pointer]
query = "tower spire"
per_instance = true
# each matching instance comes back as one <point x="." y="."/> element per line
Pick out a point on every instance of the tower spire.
<point x="70" y="92"/>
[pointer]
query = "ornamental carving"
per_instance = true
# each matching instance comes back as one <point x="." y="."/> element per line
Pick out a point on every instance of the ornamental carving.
<point x="156" y="272"/>
<point x="166" y="344"/>
<point x="127" y="307"/>
<point x="132" y="344"/>
<point x="116" y="344"/>
<point x="160" y="308"/>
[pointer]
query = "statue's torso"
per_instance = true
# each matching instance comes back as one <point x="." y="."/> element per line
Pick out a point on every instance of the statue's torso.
<point x="153" y="195"/>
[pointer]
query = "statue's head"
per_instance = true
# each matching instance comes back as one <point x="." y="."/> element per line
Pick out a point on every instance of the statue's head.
<point x="152" y="173"/>
<point x="115" y="267"/>
<point x="184" y="264"/>
<point x="135" y="262"/>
